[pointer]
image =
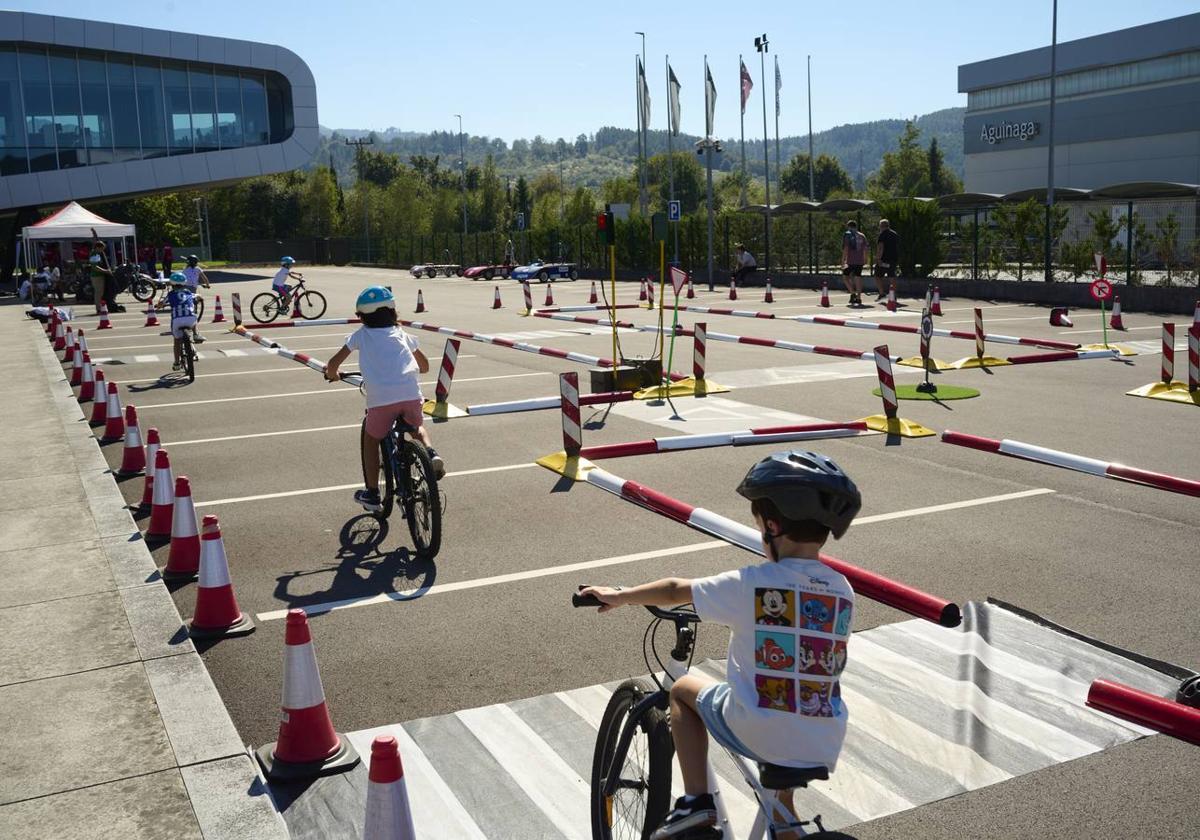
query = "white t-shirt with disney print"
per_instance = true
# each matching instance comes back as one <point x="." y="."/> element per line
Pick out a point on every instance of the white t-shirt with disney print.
<point x="790" y="623"/>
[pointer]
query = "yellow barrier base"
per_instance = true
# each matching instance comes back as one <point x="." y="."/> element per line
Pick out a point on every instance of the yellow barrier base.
<point x="897" y="426"/>
<point x="1174" y="392"/>
<point x="1120" y="348"/>
<point x="442" y="411"/>
<point x="934" y="364"/>
<point x="573" y="467"/>
<point x="977" y="362"/>
<point x="689" y="387"/>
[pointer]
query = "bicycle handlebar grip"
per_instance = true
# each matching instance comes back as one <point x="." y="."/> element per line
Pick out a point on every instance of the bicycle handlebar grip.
<point x="578" y="600"/>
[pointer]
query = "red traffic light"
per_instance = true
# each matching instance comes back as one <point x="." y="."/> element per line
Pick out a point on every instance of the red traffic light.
<point x="606" y="228"/>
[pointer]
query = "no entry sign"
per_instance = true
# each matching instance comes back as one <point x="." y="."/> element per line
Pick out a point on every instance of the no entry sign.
<point x="1101" y="290"/>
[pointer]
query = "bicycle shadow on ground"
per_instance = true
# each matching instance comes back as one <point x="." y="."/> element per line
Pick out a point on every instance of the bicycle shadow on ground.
<point x="174" y="379"/>
<point x="365" y="568"/>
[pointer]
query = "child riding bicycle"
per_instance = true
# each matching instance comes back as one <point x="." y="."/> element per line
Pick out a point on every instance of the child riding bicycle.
<point x="182" y="301"/>
<point x="390" y="360"/>
<point x="789" y="620"/>
<point x="279" y="282"/>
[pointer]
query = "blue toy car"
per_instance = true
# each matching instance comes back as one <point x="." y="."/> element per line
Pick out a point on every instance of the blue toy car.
<point x="543" y="272"/>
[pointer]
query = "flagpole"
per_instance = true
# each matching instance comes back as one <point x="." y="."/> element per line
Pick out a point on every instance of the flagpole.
<point x="743" y="101"/>
<point x="812" y="265"/>
<point x="637" y="81"/>
<point x="761" y="45"/>
<point x="778" y="159"/>
<point x="708" y="144"/>
<point x="671" y="154"/>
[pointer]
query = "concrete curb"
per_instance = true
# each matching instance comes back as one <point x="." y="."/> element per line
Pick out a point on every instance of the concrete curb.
<point x="227" y="794"/>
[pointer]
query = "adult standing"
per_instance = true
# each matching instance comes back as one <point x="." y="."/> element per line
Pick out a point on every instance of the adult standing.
<point x="168" y="258"/>
<point x="746" y="264"/>
<point x="101" y="277"/>
<point x="854" y="256"/>
<point x="887" y="255"/>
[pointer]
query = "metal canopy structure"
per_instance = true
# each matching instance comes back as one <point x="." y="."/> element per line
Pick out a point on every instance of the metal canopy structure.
<point x="1146" y="190"/>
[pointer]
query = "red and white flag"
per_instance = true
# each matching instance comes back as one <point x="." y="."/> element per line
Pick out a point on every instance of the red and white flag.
<point x="747" y="86"/>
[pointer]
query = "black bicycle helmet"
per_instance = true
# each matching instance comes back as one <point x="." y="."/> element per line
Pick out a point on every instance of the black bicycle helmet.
<point x="192" y="259"/>
<point x="805" y="486"/>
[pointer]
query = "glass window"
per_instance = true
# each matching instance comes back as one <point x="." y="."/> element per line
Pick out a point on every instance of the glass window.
<point x="229" y="110"/>
<point x="179" y="108"/>
<point x="254" y="105"/>
<point x="97" y="123"/>
<point x="13" y="158"/>
<point x="151" y="114"/>
<point x="279" y="106"/>
<point x="39" y="112"/>
<point x="204" y="102"/>
<point x="122" y="95"/>
<point x="68" y="122"/>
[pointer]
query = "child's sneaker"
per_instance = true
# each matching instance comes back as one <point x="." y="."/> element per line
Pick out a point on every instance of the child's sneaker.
<point x="176" y="366"/>
<point x="688" y="816"/>
<point x="439" y="466"/>
<point x="369" y="499"/>
<point x="199" y="339"/>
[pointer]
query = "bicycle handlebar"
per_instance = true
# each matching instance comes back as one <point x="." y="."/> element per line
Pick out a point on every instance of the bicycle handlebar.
<point x="677" y="614"/>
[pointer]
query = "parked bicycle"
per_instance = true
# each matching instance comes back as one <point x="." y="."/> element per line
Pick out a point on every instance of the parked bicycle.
<point x="267" y="306"/>
<point x="408" y="479"/>
<point x="631" y="766"/>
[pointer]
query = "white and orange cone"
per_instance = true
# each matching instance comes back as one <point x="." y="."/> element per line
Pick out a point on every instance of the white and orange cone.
<point x="592" y="297"/>
<point x="296" y="307"/>
<point x="389" y="815"/>
<point x="87" y="380"/>
<point x="82" y="341"/>
<point x="824" y="295"/>
<point x="650" y="294"/>
<point x="183" y="562"/>
<point x="151" y="316"/>
<point x="217" y="613"/>
<point x="162" y="503"/>
<point x="891" y="298"/>
<point x="732" y="289"/>
<point x="99" y="401"/>
<point x="935" y="307"/>
<point x="1059" y="317"/>
<point x="307" y="745"/>
<point x="420" y="302"/>
<point x="133" y="459"/>
<point x="549" y="295"/>
<point x="691" y="292"/>
<point x="104" y="324"/>
<point x="1116" y="322"/>
<point x="496" y="300"/>
<point x="768" y="297"/>
<point x="69" y="346"/>
<point x="114" y="420"/>
<point x="218" y="313"/>
<point x="60" y="335"/>
<point x="48" y="327"/>
<point x="152" y="447"/>
<point x="77" y="369"/>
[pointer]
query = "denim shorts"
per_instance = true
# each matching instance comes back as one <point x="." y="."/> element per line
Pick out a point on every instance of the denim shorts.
<point x="710" y="703"/>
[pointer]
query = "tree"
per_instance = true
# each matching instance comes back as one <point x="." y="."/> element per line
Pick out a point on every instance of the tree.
<point x="319" y="202"/>
<point x="904" y="172"/>
<point x="828" y="176"/>
<point x="936" y="165"/>
<point x="1166" y="242"/>
<point x="491" y="196"/>
<point x="581" y="208"/>
<point x="522" y="201"/>
<point x="919" y="224"/>
<point x="689" y="180"/>
<point x="1021" y="227"/>
<point x="380" y="168"/>
<point x="581" y="146"/>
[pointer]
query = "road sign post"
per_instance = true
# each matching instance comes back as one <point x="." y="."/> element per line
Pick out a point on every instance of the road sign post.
<point x="926" y="387"/>
<point x="1102" y="291"/>
<point x="674" y="213"/>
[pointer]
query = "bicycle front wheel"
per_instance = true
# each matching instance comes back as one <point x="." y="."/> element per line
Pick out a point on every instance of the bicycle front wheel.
<point x="387" y="489"/>
<point x="265" y="307"/>
<point x="422" y="504"/>
<point x="312" y="305"/>
<point x="643" y="792"/>
<point x="142" y="289"/>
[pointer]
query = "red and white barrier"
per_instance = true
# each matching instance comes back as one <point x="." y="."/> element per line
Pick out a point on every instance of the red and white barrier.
<point x="100" y="400"/>
<point x="642" y="290"/>
<point x="1079" y="463"/>
<point x="420" y="302"/>
<point x="236" y="299"/>
<point x="162" y="505"/>
<point x="218" y="313"/>
<point x="589" y="308"/>
<point x="547" y="403"/>
<point x="887" y="382"/>
<point x="699" y="350"/>
<point x="1194" y="359"/>
<point x="217" y="613"/>
<point x="446" y="373"/>
<point x="114" y="419"/>
<point x="740" y="437"/>
<point x="768" y="297"/>
<point x="1115" y="321"/>
<point x="568" y="385"/>
<point x="87" y="381"/>
<point x="307" y="745"/>
<point x="1167" y="716"/>
<point x="152" y="447"/>
<point x="979" y="336"/>
<point x="935" y="308"/>
<point x="133" y="458"/>
<point x="183" y="561"/>
<point x="1168" y="352"/>
<point x="104" y="324"/>
<point x="389" y="816"/>
<point x="528" y="294"/>
<point x="882" y="589"/>
<point x="650" y="294"/>
<point x="1064" y="356"/>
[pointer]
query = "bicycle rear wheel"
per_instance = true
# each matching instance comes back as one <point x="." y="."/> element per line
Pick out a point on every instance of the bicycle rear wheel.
<point x="312" y="305"/>
<point x="187" y="353"/>
<point x="422" y="504"/>
<point x="643" y="793"/>
<point x="265" y="307"/>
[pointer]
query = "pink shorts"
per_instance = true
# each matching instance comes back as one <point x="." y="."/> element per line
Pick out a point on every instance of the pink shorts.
<point x="381" y="417"/>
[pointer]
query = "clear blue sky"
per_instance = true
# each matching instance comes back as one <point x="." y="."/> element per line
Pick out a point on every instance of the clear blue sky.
<point x="517" y="69"/>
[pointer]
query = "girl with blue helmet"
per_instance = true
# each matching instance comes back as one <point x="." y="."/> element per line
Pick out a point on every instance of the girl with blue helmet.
<point x="279" y="282"/>
<point x="390" y="360"/>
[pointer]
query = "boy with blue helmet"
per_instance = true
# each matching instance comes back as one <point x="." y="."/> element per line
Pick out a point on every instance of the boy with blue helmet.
<point x="182" y="301"/>
<point x="390" y="360"/>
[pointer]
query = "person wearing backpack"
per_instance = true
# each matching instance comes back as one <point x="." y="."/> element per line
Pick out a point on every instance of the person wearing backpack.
<point x="854" y="257"/>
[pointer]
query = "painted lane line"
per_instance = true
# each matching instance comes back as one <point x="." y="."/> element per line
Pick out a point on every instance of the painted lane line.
<point x="1116" y="333"/>
<point x="176" y="443"/>
<point x="355" y="486"/>
<point x="288" y="369"/>
<point x="513" y="577"/>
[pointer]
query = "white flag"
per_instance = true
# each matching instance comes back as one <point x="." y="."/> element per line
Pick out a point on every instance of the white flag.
<point x="778" y="85"/>
<point x="673" y="86"/>
<point x="710" y="101"/>
<point x="645" y="96"/>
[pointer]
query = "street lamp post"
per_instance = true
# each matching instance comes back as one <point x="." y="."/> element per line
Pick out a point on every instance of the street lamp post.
<point x="358" y="153"/>
<point x="462" y="165"/>
<point x="1050" y="144"/>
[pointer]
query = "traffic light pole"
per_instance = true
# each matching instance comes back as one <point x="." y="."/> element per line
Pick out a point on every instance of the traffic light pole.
<point x="612" y="273"/>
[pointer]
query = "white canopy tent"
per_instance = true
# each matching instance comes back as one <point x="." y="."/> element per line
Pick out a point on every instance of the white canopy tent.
<point x="73" y="222"/>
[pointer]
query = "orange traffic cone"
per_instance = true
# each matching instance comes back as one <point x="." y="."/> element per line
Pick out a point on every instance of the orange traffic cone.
<point x="60" y="336"/>
<point x="114" y="421"/>
<point x="133" y="459"/>
<point x="48" y="327"/>
<point x="824" y="295"/>
<point x="82" y="341"/>
<point x="496" y="301"/>
<point x="732" y="289"/>
<point x="104" y="324"/>
<point x="549" y="295"/>
<point x="592" y="297"/>
<point x="217" y="613"/>
<point x="162" y="503"/>
<point x="935" y="307"/>
<point x="891" y="299"/>
<point x="77" y="369"/>
<point x="87" y="382"/>
<point x="420" y="302"/>
<point x="768" y="297"/>
<point x="184" y="560"/>
<point x="69" y="346"/>
<point x="218" y="313"/>
<point x="296" y="307"/>
<point x="151" y="316"/>
<point x="691" y="292"/>
<point x="152" y="447"/>
<point x="1058" y="317"/>
<point x="99" y="401"/>
<point x="389" y="816"/>
<point x="1115" y="321"/>
<point x="307" y="745"/>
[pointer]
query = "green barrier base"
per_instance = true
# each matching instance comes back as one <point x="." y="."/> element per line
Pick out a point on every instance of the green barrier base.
<point x="943" y="393"/>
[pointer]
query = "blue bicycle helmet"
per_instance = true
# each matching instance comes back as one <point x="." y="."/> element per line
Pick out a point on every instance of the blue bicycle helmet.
<point x="805" y="486"/>
<point x="287" y="261"/>
<point x="374" y="298"/>
<point x="178" y="278"/>
<point x="94" y="259"/>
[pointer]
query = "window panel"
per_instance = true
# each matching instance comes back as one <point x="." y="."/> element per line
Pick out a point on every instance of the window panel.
<point x="14" y="160"/>
<point x="68" y="122"/>
<point x="39" y="111"/>
<point x="97" y="121"/>
<point x="151" y="111"/>
<point x="279" y="106"/>
<point x="204" y="101"/>
<point x="179" y="109"/>
<point x="229" y="110"/>
<point x="122" y="94"/>
<point x="254" y="107"/>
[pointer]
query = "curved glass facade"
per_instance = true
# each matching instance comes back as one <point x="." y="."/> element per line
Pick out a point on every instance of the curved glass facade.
<point x="62" y="108"/>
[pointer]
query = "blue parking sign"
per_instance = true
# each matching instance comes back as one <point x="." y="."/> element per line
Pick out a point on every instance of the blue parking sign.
<point x="673" y="211"/>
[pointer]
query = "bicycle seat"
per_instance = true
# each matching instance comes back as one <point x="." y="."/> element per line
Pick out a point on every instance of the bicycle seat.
<point x="776" y="777"/>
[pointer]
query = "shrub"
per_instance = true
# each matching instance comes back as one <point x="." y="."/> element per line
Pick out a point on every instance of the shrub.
<point x="919" y="224"/>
